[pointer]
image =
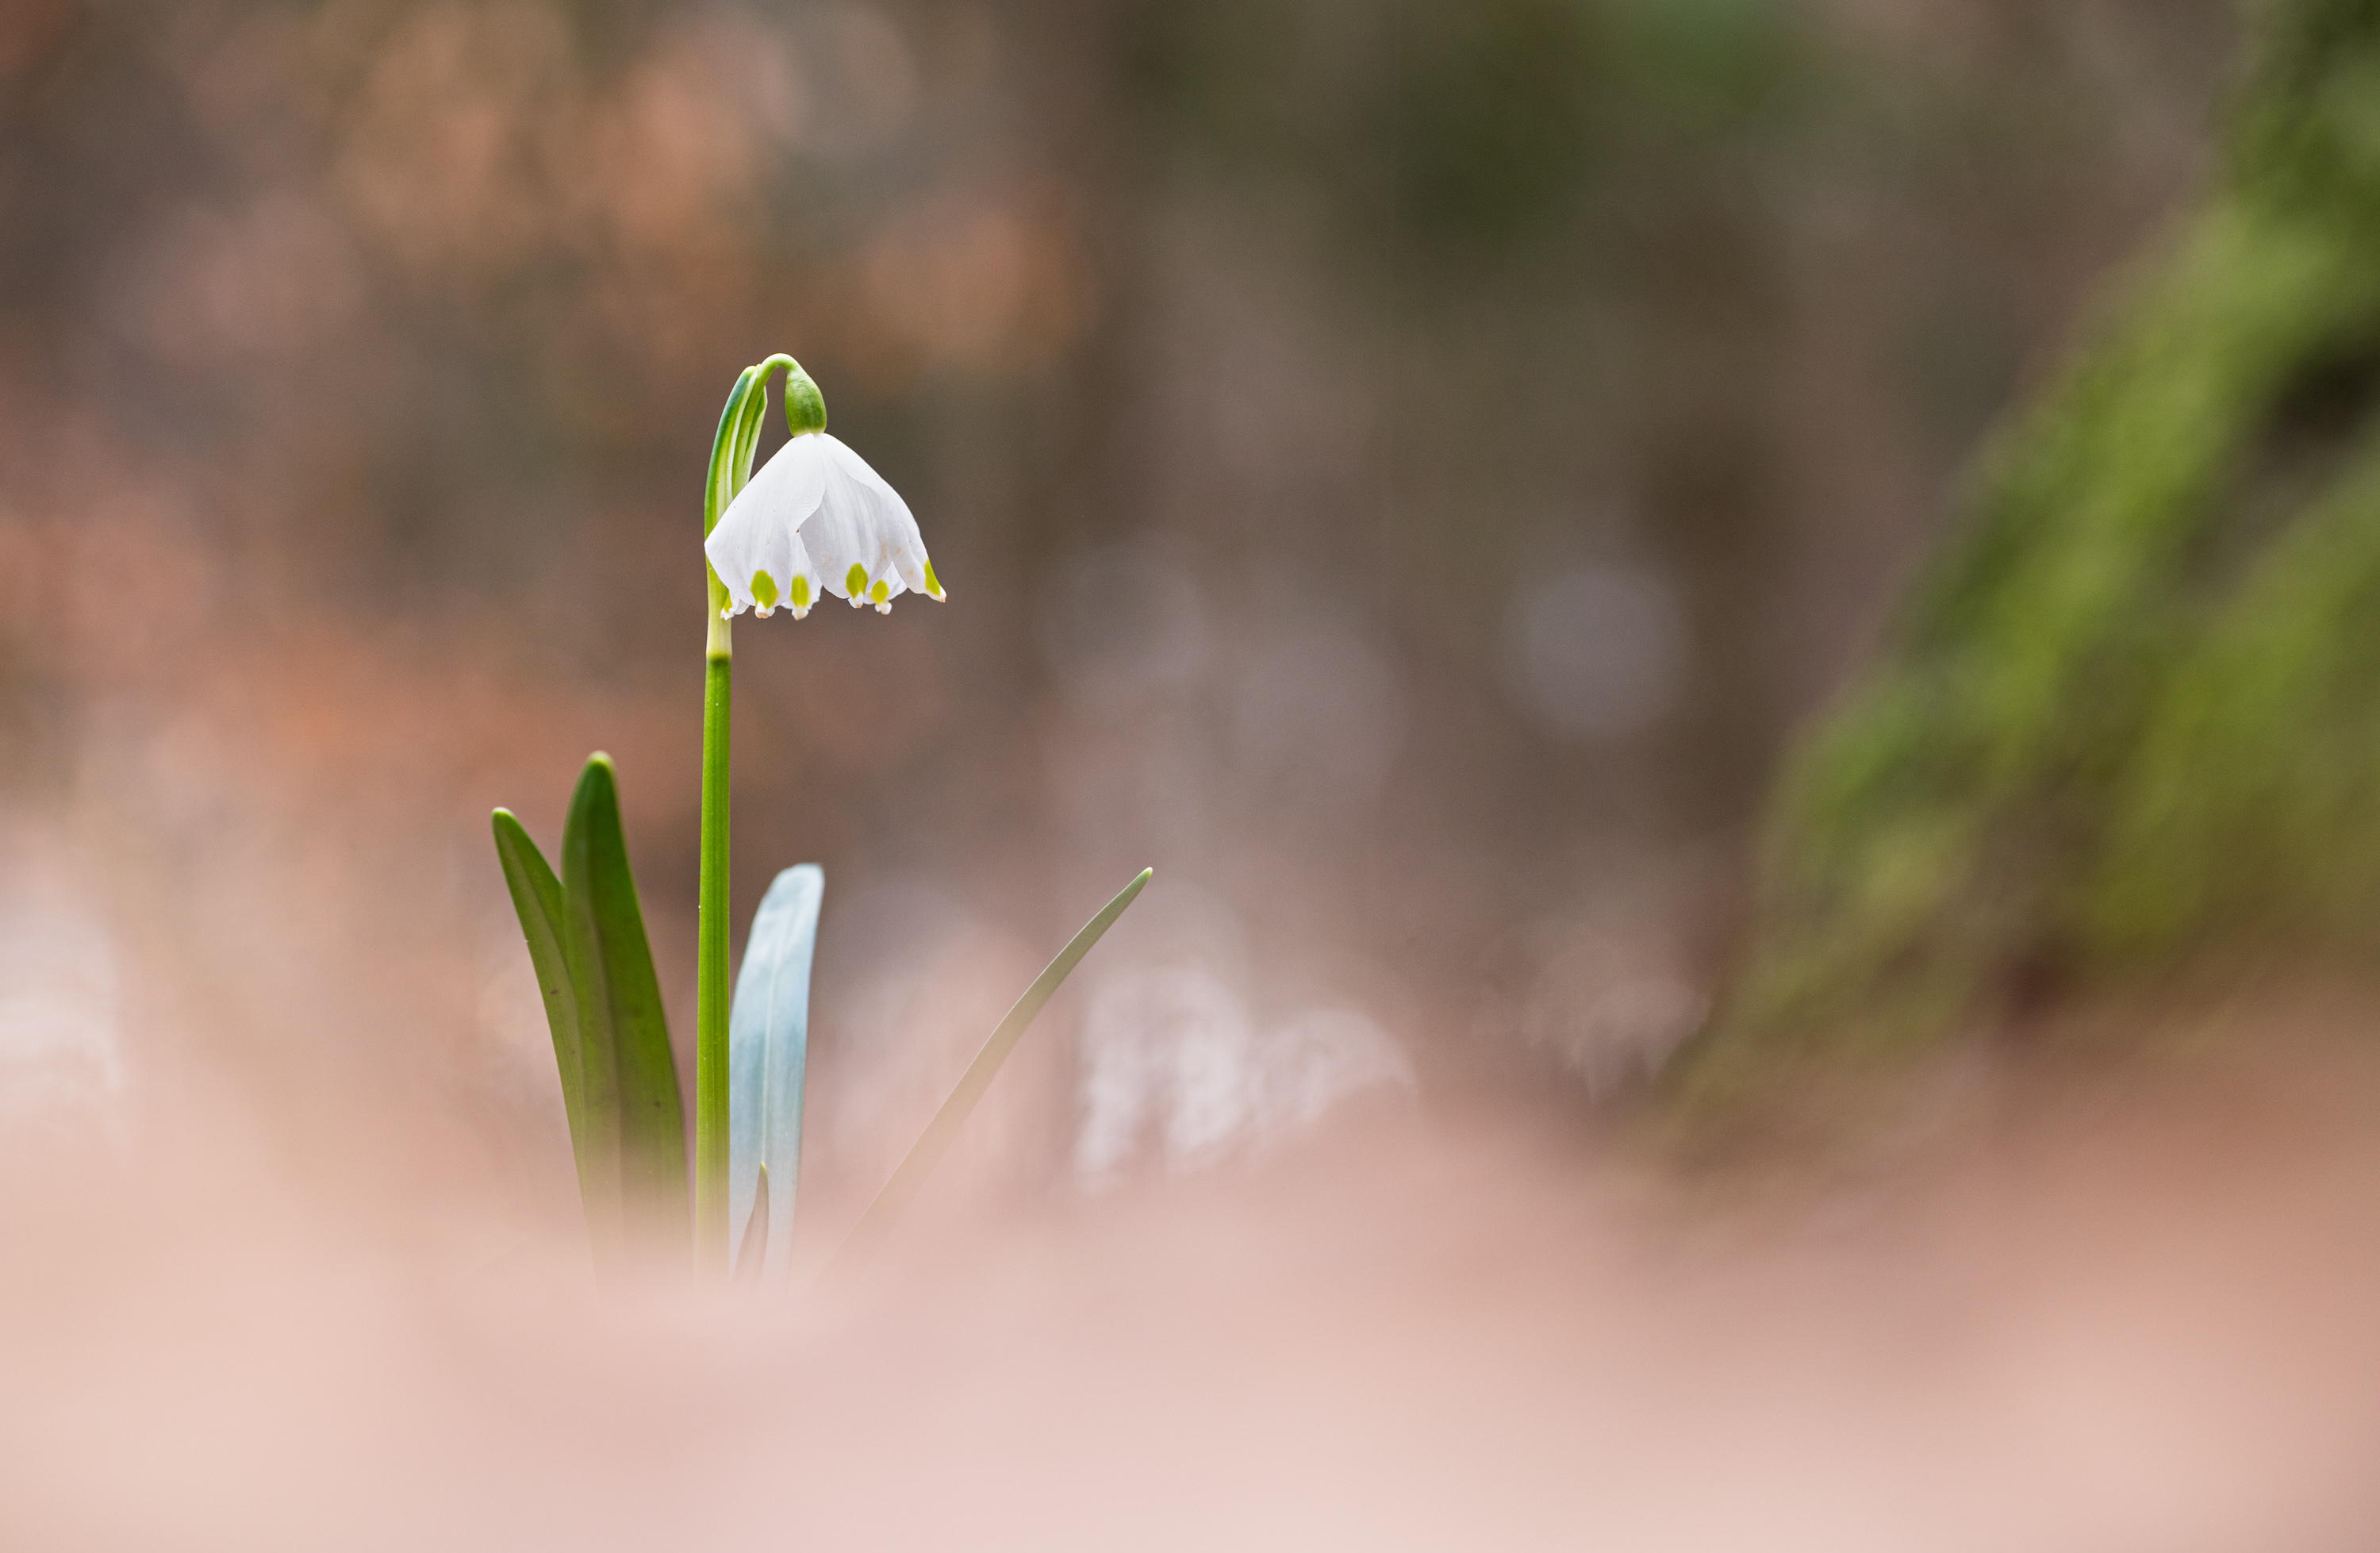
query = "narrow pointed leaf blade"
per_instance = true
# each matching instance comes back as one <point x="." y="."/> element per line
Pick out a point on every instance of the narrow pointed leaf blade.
<point x="537" y="897"/>
<point x="767" y="1053"/>
<point x="885" y="1212"/>
<point x="621" y="1013"/>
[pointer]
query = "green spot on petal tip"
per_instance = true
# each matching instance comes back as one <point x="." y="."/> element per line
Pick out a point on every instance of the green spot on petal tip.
<point x="801" y="593"/>
<point x="879" y="592"/>
<point x="934" y="583"/>
<point x="854" y="581"/>
<point x="764" y="590"/>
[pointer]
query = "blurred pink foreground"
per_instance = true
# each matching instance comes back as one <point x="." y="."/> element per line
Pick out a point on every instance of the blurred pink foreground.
<point x="2098" y="1314"/>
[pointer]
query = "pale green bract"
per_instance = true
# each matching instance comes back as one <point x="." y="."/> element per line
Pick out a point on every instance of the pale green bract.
<point x="768" y="1050"/>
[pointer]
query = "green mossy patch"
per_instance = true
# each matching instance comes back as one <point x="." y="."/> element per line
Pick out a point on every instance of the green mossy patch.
<point x="2131" y="721"/>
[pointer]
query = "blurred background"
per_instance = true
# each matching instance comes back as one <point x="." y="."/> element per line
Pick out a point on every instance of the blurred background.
<point x="1403" y="470"/>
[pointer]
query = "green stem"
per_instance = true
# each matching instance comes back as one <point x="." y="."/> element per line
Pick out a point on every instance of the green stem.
<point x="711" y="984"/>
<point x="731" y="466"/>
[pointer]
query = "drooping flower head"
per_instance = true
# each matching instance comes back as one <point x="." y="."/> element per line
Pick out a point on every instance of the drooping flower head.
<point x="815" y="519"/>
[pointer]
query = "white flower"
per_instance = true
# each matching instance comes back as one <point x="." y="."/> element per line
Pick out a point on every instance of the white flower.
<point x="816" y="518"/>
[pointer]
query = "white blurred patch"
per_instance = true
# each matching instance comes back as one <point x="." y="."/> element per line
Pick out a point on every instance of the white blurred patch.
<point x="1608" y="1001"/>
<point x="1319" y="716"/>
<point x="1173" y="1064"/>
<point x="1598" y="654"/>
<point x="61" y="1046"/>
<point x="1324" y="1056"/>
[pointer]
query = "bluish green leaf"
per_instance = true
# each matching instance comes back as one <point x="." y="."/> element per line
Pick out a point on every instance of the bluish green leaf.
<point x="768" y="1049"/>
<point x="623" y="1037"/>
<point x="890" y="1202"/>
<point x="537" y="897"/>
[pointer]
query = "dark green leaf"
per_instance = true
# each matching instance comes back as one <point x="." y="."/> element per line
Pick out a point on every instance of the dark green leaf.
<point x="537" y="897"/>
<point x="625" y="1037"/>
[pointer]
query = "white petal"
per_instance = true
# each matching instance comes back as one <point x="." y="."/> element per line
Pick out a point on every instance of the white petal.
<point x="862" y="533"/>
<point x="752" y="535"/>
<point x="730" y="562"/>
<point x="842" y="534"/>
<point x="899" y="556"/>
<point x="798" y="569"/>
<point x="787" y="486"/>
